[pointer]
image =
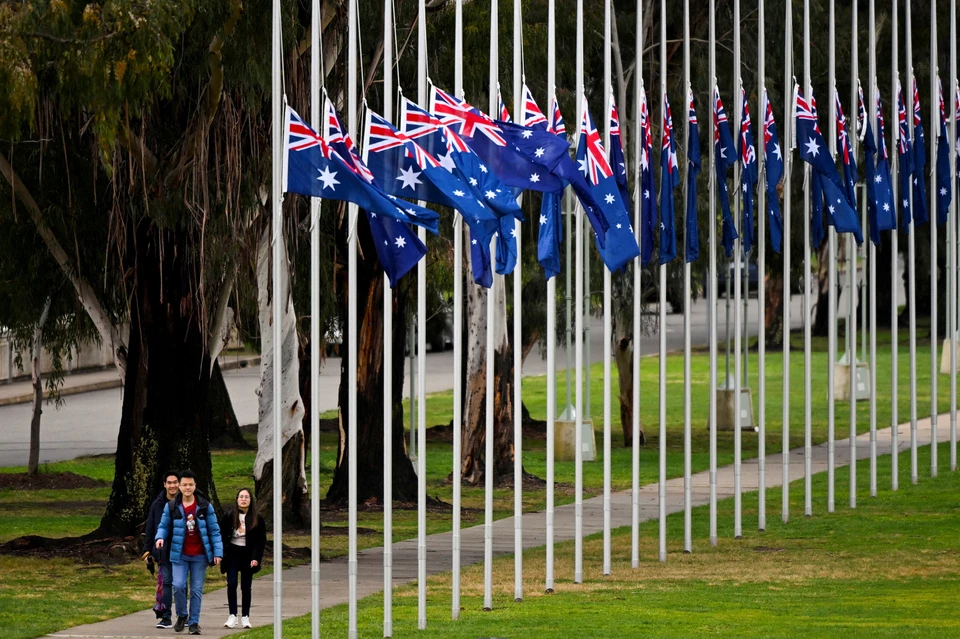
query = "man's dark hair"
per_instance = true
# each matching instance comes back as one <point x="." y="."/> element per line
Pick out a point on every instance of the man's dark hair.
<point x="175" y="473"/>
<point x="188" y="474"/>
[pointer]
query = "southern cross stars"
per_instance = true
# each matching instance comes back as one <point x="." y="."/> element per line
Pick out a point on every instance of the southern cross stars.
<point x="543" y="220"/>
<point x="539" y="152"/>
<point x="535" y="178"/>
<point x="400" y="242"/>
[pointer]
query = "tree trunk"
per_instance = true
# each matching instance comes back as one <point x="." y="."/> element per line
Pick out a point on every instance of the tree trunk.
<point x="623" y="344"/>
<point x="773" y="313"/>
<point x="222" y="423"/>
<point x="33" y="463"/>
<point x="163" y="423"/>
<point x="370" y="349"/>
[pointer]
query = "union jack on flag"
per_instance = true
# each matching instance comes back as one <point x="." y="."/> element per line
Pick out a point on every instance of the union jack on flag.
<point x="417" y="123"/>
<point x="903" y="133"/>
<point x="691" y="112"/>
<point x="532" y="115"/>
<point x="768" y="121"/>
<point x="302" y="137"/>
<point x="881" y="127"/>
<point x="383" y="137"/>
<point x="842" y="135"/>
<point x="335" y="135"/>
<point x="597" y="166"/>
<point x="807" y="110"/>
<point x="748" y="154"/>
<point x="556" y="124"/>
<point x="468" y="120"/>
<point x="646" y="134"/>
<point x="943" y="113"/>
<point x="504" y="113"/>
<point x="667" y="140"/>
<point x="916" y="103"/>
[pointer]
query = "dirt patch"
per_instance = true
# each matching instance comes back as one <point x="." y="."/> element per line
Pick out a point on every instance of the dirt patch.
<point x="48" y="481"/>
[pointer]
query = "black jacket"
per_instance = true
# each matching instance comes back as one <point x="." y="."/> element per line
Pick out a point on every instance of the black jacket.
<point x="153" y="521"/>
<point x="256" y="540"/>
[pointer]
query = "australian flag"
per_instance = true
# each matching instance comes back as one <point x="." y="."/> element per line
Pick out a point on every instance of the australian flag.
<point x="849" y="162"/>
<point x="669" y="180"/>
<point x="748" y="174"/>
<point x="692" y="232"/>
<point x="551" y="219"/>
<point x="648" y="202"/>
<point x="617" y="162"/>
<point x="398" y="247"/>
<point x="723" y="153"/>
<point x="905" y="157"/>
<point x="920" y="213"/>
<point x="504" y="112"/>
<point x="880" y="212"/>
<point x="773" y="159"/>
<point x="944" y="190"/>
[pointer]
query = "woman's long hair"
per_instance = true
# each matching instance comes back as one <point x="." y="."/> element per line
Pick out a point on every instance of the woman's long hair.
<point x="252" y="516"/>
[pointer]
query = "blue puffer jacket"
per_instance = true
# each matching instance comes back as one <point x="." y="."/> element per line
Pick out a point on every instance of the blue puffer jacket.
<point x="173" y="528"/>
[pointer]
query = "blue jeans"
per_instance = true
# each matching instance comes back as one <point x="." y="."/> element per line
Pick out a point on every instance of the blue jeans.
<point x="196" y="565"/>
<point x="166" y="573"/>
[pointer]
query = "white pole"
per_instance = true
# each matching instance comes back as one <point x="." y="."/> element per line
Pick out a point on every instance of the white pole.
<point x="788" y="115"/>
<point x="551" y="322"/>
<point x="607" y="284"/>
<point x="852" y="270"/>
<point x="712" y="288"/>
<point x="491" y="303"/>
<point x="387" y="355"/>
<point x="873" y="92"/>
<point x="737" y="288"/>
<point x="276" y="199"/>
<point x="807" y="292"/>
<point x="422" y="359"/>
<point x="662" y="486"/>
<point x="315" y="121"/>
<point x="761" y="280"/>
<point x="352" y="335"/>
<point x="952" y="230"/>
<point x="911" y="273"/>
<point x="832" y="277"/>
<point x="517" y="339"/>
<point x="457" y="338"/>
<point x="933" y="208"/>
<point x="894" y="238"/>
<point x="687" y="390"/>
<point x="637" y="304"/>
<point x="578" y="437"/>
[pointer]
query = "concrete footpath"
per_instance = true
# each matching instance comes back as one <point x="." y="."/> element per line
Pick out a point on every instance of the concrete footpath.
<point x="296" y="581"/>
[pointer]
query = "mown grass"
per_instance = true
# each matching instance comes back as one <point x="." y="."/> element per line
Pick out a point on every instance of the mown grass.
<point x="890" y="568"/>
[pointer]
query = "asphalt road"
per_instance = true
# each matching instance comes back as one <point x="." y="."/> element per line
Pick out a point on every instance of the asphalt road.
<point x="87" y="423"/>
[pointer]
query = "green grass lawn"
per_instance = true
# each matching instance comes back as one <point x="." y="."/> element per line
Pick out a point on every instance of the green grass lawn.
<point x="890" y="568"/>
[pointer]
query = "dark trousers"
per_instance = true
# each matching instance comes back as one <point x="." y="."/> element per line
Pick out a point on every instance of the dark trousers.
<point x="238" y="569"/>
<point x="166" y="572"/>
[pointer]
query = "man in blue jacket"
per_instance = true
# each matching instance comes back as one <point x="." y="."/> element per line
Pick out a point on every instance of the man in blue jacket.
<point x="171" y="487"/>
<point x="189" y="527"/>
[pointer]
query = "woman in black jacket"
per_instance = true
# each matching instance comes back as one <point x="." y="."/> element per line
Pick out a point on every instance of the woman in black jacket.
<point x="244" y="538"/>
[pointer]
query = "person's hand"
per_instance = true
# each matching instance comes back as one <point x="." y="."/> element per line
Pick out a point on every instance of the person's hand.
<point x="159" y="543"/>
<point x="147" y="557"/>
<point x="216" y="561"/>
<point x="254" y="564"/>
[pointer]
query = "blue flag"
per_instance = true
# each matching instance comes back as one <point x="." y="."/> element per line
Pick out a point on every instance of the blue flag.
<point x="617" y="162"/>
<point x="774" y="172"/>
<point x="813" y="151"/>
<point x="905" y="157"/>
<point x="669" y="180"/>
<point x="817" y="229"/>
<point x="692" y="232"/>
<point x="921" y="215"/>
<point x="880" y="211"/>
<point x="723" y="154"/>
<point x="398" y="247"/>
<point x="620" y="247"/>
<point x="480" y="261"/>
<point x="944" y="191"/>
<point x="648" y="201"/>
<point x="551" y="218"/>
<point x="849" y="162"/>
<point x="748" y="173"/>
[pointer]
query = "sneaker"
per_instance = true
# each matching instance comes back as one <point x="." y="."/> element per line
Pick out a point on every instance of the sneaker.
<point x="194" y="629"/>
<point x="165" y="623"/>
<point x="245" y="622"/>
<point x="181" y="623"/>
<point x="231" y="622"/>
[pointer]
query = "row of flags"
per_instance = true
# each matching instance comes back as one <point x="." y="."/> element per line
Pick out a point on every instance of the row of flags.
<point x="454" y="155"/>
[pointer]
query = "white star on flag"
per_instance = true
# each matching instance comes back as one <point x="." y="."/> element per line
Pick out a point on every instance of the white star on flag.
<point x="473" y="181"/>
<point x="776" y="151"/>
<point x="459" y="193"/>
<point x="513" y="232"/>
<point x="490" y="195"/>
<point x="535" y="178"/>
<point x="878" y="179"/>
<point x="608" y="198"/>
<point x="583" y="166"/>
<point x="831" y="209"/>
<point x="400" y="242"/>
<point x="886" y="207"/>
<point x="409" y="178"/>
<point x="646" y="194"/>
<point x="619" y="226"/>
<point x="906" y="204"/>
<point x="446" y="161"/>
<point x="539" y="152"/>
<point x="943" y="191"/>
<point x="723" y="152"/>
<point x="473" y="242"/>
<point x="812" y="147"/>
<point x="527" y="134"/>
<point x="543" y="220"/>
<point x="327" y="177"/>
<point x="483" y="169"/>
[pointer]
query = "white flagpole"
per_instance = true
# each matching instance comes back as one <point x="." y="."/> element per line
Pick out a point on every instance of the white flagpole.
<point x="607" y="284"/>
<point x="276" y="199"/>
<point x="737" y="287"/>
<point x="932" y="216"/>
<point x="551" y="321"/>
<point x="687" y="399"/>
<point x="894" y="236"/>
<point x="662" y="487"/>
<point x="352" y="337"/>
<point x="712" y="287"/>
<point x="387" y="355"/>
<point x="637" y="305"/>
<point x="457" y="337"/>
<point x="873" y="92"/>
<point x="788" y="115"/>
<point x="517" y="338"/>
<point x="315" y="121"/>
<point x="852" y="269"/>
<point x="832" y="274"/>
<point x="491" y="303"/>
<point x="578" y="437"/>
<point x="911" y="265"/>
<point x="761" y="278"/>
<point x="952" y="226"/>
<point x="422" y="359"/>
<point x="807" y="292"/>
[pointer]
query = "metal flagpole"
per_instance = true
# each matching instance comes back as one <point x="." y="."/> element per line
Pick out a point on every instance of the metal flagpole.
<point x="517" y="339"/>
<point x="932" y="163"/>
<point x="807" y="292"/>
<point x="551" y="321"/>
<point x="687" y="399"/>
<point x="712" y="287"/>
<point x="737" y="286"/>
<point x="422" y="359"/>
<point x="637" y="305"/>
<point x="872" y="284"/>
<point x="788" y="116"/>
<point x="952" y="234"/>
<point x="662" y="484"/>
<point x="607" y="292"/>
<point x="276" y="199"/>
<point x="852" y="272"/>
<point x="761" y="279"/>
<point x="315" y="337"/>
<point x="894" y="240"/>
<point x="578" y="438"/>
<point x="831" y="275"/>
<point x="911" y="265"/>
<point x="387" y="354"/>
<point x="352" y="339"/>
<point x="491" y="302"/>
<point x="458" y="231"/>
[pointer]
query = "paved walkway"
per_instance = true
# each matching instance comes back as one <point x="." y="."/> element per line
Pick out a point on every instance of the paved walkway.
<point x="370" y="579"/>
